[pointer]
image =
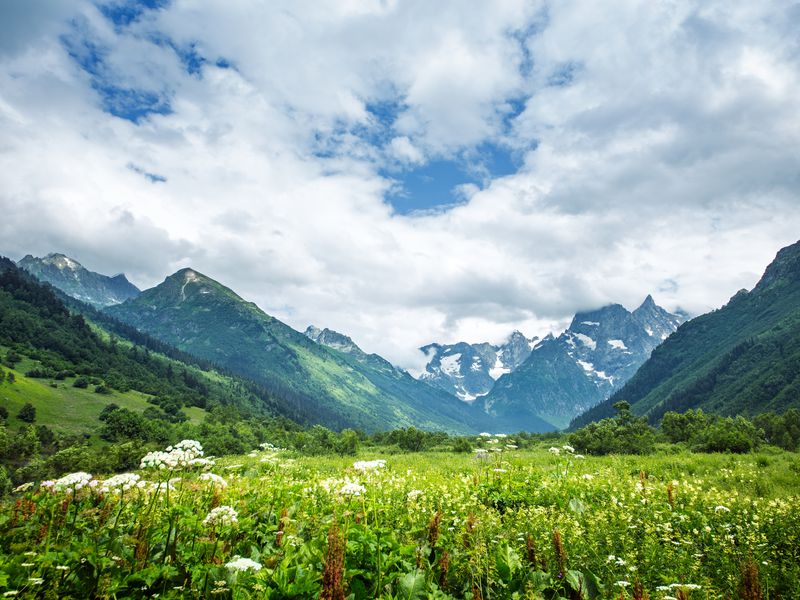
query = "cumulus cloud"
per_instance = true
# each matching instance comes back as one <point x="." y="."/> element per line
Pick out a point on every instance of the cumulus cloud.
<point x="658" y="149"/>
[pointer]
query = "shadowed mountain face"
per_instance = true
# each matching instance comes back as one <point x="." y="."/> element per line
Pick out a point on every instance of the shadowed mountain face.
<point x="740" y="359"/>
<point x="73" y="279"/>
<point x="326" y="385"/>
<point x="567" y="375"/>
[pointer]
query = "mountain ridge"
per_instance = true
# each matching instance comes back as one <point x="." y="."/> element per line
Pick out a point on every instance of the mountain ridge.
<point x="73" y="278"/>
<point x="739" y="359"/>
<point x="201" y="316"/>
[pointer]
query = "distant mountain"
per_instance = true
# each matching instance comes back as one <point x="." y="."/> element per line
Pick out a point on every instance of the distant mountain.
<point x="567" y="375"/>
<point x="328" y="386"/>
<point x="741" y="359"/>
<point x="470" y="370"/>
<point x="69" y="276"/>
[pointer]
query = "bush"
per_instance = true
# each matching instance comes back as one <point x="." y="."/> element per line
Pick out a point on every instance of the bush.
<point x="81" y="382"/>
<point x="27" y="413"/>
<point x="624" y="434"/>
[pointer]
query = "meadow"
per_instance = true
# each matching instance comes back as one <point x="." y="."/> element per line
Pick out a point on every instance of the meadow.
<point x="498" y="522"/>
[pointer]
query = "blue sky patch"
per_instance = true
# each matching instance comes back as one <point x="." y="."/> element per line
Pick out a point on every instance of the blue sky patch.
<point x="436" y="184"/>
<point x="119" y="100"/>
<point x="122" y="14"/>
<point x="151" y="177"/>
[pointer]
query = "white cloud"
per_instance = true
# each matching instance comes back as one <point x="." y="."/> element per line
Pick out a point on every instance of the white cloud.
<point x="668" y="164"/>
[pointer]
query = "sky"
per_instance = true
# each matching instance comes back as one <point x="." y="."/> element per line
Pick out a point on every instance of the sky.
<point x="407" y="171"/>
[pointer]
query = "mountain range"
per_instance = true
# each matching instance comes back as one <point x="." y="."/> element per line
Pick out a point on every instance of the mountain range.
<point x="74" y="279"/>
<point x="525" y="381"/>
<point x="743" y="358"/>
<point x="740" y="358"/>
<point x="470" y="370"/>
<point x="339" y="389"/>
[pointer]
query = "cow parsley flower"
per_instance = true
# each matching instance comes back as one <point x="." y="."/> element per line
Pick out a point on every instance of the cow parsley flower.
<point x="73" y="481"/>
<point x="351" y="488"/>
<point x="120" y="483"/>
<point x="214" y="479"/>
<point x="221" y="515"/>
<point x="369" y="465"/>
<point x="555" y="451"/>
<point x="179" y="456"/>
<point x="239" y="564"/>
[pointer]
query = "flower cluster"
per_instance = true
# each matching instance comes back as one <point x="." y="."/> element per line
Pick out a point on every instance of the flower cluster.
<point x="221" y="515"/>
<point x="369" y="465"/>
<point x="120" y="483"/>
<point x="214" y="479"/>
<point x="239" y="564"/>
<point x="71" y="482"/>
<point x="187" y="453"/>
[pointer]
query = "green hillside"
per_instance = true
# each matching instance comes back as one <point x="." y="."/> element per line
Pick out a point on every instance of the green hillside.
<point x="741" y="359"/>
<point x="200" y="316"/>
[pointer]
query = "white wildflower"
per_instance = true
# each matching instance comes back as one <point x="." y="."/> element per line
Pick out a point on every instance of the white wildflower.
<point x="73" y="481"/>
<point x="568" y="448"/>
<point x="120" y="483"/>
<point x="23" y="488"/>
<point x="414" y="494"/>
<point x="214" y="479"/>
<point x="721" y="508"/>
<point x="221" y="515"/>
<point x="243" y="564"/>
<point x="369" y="465"/>
<point x="351" y="488"/>
<point x="175" y="457"/>
<point x="555" y="451"/>
<point x="485" y="434"/>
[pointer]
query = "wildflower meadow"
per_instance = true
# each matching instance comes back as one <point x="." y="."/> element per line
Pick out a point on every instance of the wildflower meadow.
<point x="498" y="522"/>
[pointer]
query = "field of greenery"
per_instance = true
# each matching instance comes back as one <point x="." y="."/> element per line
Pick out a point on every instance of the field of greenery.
<point x="497" y="522"/>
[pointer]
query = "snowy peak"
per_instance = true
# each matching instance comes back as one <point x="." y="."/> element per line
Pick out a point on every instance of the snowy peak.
<point x="72" y="278"/>
<point x="61" y="261"/>
<point x="470" y="370"/>
<point x="596" y="354"/>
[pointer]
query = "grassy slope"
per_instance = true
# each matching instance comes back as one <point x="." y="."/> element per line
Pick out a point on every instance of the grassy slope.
<point x="66" y="409"/>
<point x="201" y="316"/>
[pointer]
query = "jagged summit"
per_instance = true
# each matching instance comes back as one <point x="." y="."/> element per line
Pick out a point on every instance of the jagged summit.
<point x="470" y="370"/>
<point x="567" y="374"/>
<point x="332" y="339"/>
<point x="72" y="278"/>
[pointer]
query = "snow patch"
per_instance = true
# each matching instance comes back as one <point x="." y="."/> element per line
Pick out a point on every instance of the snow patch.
<point x="476" y="364"/>
<point x="586" y="341"/>
<point x="586" y="366"/>
<point x="450" y="364"/>
<point x="618" y="344"/>
<point x="499" y="369"/>
<point x="593" y="323"/>
<point x="649" y="331"/>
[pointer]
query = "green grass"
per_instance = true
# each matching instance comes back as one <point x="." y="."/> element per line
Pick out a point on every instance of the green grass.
<point x="517" y="524"/>
<point x="66" y="409"/>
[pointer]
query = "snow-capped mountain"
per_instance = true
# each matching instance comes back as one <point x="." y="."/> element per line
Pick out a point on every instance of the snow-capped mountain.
<point x="73" y="279"/>
<point x="470" y="370"/>
<point x="565" y="375"/>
